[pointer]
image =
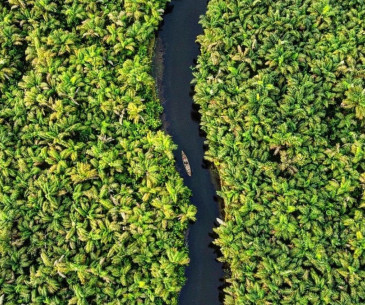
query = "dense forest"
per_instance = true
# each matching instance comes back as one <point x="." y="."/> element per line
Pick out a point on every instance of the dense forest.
<point x="92" y="210"/>
<point x="281" y="89"/>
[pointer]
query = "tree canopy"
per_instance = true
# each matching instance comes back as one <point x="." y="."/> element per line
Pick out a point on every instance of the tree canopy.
<point x="92" y="210"/>
<point x="281" y="89"/>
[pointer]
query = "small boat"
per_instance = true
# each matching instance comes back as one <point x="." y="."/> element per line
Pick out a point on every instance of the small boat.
<point x="186" y="163"/>
<point x="220" y="221"/>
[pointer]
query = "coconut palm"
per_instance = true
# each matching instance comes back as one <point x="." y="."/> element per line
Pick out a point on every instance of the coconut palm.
<point x="85" y="210"/>
<point x="283" y="115"/>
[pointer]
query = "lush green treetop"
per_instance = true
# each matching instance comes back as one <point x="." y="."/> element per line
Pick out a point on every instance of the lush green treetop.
<point x="282" y="95"/>
<point x="92" y="210"/>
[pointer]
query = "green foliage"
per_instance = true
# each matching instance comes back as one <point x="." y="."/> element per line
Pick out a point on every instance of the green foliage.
<point x="92" y="210"/>
<point x="281" y="90"/>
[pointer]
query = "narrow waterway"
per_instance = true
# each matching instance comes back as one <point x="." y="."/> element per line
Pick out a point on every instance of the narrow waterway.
<point x="176" y="52"/>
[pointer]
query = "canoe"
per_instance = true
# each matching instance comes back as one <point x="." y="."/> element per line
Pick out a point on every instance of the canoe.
<point x="220" y="221"/>
<point x="186" y="163"/>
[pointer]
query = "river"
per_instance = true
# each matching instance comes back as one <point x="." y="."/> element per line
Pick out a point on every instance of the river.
<point x="176" y="51"/>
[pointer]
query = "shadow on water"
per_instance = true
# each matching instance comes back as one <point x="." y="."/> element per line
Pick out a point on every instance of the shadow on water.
<point x="175" y="53"/>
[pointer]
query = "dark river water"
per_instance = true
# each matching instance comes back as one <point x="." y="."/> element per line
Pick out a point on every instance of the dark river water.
<point x="176" y="51"/>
